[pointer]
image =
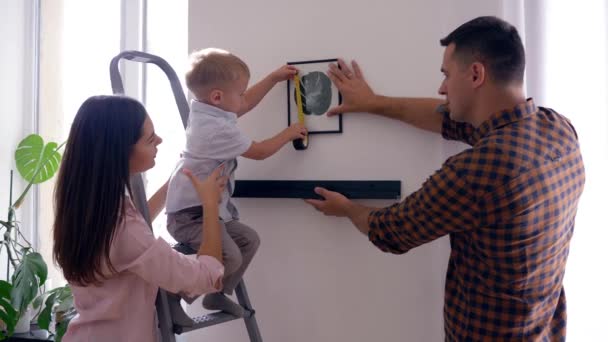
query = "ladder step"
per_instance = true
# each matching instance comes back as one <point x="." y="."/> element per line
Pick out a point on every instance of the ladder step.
<point x="210" y="320"/>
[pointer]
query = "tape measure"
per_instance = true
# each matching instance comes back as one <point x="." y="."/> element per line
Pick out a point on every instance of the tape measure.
<point x="299" y="144"/>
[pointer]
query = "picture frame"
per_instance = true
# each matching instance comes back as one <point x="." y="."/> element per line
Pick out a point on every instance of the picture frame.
<point x="319" y="94"/>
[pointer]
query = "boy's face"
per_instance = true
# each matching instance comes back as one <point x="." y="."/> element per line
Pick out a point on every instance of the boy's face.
<point x="233" y="95"/>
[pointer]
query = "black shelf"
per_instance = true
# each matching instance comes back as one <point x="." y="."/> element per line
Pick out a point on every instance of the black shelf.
<point x="360" y="189"/>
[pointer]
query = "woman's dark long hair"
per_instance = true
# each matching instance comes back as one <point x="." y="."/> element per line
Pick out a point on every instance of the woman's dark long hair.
<point x="91" y="185"/>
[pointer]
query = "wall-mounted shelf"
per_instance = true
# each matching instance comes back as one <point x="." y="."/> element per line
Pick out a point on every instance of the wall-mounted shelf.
<point x="362" y="189"/>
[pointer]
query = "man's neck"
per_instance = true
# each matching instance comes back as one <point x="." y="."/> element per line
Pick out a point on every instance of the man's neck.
<point x="497" y="99"/>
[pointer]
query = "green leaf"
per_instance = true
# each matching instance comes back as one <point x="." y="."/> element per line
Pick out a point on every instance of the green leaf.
<point x="60" y="330"/>
<point x="37" y="162"/>
<point x="44" y="319"/>
<point x="5" y="289"/>
<point x="30" y="274"/>
<point x="65" y="303"/>
<point x="62" y="325"/>
<point x="40" y="299"/>
<point x="59" y="302"/>
<point x="8" y="314"/>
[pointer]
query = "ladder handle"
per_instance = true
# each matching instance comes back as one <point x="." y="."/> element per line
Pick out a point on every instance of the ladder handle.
<point x="147" y="58"/>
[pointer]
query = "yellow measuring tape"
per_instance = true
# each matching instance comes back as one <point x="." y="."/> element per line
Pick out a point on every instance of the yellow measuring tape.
<point x="299" y="144"/>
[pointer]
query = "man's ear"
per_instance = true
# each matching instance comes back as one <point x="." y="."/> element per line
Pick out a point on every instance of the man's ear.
<point x="216" y="96"/>
<point x="478" y="74"/>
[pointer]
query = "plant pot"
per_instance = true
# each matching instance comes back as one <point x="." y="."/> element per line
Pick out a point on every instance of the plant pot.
<point x="23" y="325"/>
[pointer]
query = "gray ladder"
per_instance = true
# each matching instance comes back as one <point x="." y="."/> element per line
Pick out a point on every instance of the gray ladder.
<point x="167" y="324"/>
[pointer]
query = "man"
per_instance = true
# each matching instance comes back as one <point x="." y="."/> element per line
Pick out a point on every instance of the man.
<point x="508" y="203"/>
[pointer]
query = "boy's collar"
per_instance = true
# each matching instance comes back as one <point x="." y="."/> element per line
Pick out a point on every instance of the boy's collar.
<point x="201" y="107"/>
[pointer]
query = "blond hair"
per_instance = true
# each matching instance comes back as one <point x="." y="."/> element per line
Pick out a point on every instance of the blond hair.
<point x="213" y="68"/>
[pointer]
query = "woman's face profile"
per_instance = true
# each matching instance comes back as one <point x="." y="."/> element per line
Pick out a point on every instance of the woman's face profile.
<point x="144" y="151"/>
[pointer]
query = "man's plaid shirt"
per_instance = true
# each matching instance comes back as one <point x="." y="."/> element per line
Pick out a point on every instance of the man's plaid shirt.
<point x="508" y="204"/>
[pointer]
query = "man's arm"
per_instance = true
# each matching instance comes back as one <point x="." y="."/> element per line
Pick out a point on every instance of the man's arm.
<point x="445" y="204"/>
<point x="418" y="112"/>
<point x="357" y="96"/>
<point x="336" y="204"/>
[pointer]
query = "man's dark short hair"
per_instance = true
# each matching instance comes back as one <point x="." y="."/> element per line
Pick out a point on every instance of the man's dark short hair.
<point x="493" y="42"/>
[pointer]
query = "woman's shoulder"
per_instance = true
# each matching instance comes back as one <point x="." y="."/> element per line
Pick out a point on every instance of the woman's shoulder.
<point x="133" y="236"/>
<point x="130" y="217"/>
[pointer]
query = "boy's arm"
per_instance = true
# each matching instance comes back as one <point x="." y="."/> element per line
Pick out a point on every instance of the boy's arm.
<point x="256" y="93"/>
<point x="264" y="149"/>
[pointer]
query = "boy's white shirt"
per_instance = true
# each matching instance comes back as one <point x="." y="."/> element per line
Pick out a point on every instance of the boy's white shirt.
<point x="212" y="138"/>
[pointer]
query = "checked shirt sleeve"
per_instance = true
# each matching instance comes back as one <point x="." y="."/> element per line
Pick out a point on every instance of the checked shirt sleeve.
<point x="452" y="130"/>
<point x="443" y="205"/>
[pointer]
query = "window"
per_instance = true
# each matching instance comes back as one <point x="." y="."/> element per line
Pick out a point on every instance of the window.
<point x="78" y="40"/>
<point x="576" y="85"/>
<point x="167" y="37"/>
<point x="18" y="105"/>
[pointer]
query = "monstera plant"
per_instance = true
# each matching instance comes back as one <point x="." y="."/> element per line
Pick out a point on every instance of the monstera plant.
<point x="36" y="162"/>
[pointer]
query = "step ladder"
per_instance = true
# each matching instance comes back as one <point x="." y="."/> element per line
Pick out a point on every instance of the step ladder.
<point x="167" y="324"/>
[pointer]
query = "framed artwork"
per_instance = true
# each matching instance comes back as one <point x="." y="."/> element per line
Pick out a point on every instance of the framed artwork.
<point x="318" y="95"/>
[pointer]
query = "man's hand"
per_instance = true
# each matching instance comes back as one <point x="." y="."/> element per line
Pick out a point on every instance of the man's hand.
<point x="357" y="96"/>
<point x="335" y="204"/>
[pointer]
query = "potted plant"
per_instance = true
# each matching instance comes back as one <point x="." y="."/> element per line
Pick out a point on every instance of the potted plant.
<point x="57" y="307"/>
<point x="36" y="162"/>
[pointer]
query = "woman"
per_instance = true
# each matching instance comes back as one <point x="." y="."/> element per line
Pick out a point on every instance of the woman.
<point x="106" y="250"/>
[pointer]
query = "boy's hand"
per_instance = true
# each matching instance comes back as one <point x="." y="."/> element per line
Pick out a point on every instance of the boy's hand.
<point x="296" y="131"/>
<point x="286" y="72"/>
<point x="210" y="190"/>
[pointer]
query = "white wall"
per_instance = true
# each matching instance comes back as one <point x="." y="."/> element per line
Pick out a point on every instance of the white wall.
<point x="16" y="108"/>
<point x="316" y="278"/>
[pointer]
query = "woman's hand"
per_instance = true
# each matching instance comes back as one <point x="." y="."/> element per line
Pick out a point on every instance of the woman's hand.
<point x="209" y="190"/>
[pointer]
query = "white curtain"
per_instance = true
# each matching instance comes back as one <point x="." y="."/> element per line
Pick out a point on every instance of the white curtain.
<point x="566" y="45"/>
<point x="78" y="39"/>
<point x="18" y="116"/>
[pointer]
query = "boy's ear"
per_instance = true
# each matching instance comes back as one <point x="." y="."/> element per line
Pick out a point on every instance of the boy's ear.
<point x="215" y="97"/>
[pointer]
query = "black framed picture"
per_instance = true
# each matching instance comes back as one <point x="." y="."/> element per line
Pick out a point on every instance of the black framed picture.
<point x="318" y="95"/>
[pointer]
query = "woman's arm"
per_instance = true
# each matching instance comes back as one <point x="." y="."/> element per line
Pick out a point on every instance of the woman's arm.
<point x="209" y="192"/>
<point x="156" y="203"/>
